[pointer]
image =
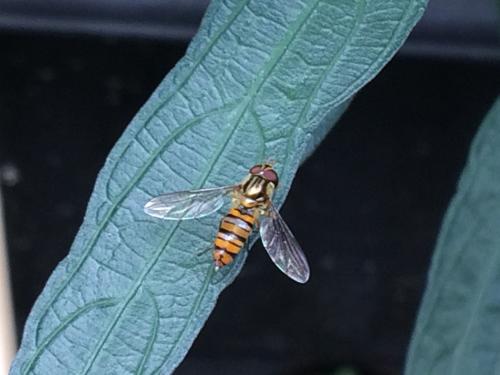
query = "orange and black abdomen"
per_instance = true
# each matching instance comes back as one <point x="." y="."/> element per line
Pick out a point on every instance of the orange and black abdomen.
<point x="234" y="230"/>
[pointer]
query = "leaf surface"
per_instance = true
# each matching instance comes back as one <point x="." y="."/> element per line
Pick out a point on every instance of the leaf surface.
<point x="261" y="80"/>
<point x="457" y="331"/>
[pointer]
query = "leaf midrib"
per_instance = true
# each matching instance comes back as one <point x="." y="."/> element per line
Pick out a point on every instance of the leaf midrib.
<point x="300" y="122"/>
<point x="105" y="302"/>
<point x="103" y="224"/>
<point x="275" y="57"/>
<point x="280" y="50"/>
<point x="244" y="106"/>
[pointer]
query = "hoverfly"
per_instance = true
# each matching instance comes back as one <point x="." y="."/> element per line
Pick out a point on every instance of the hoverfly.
<point x="251" y="207"/>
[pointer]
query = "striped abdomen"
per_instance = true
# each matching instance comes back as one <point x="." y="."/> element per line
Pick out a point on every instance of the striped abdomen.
<point x="234" y="230"/>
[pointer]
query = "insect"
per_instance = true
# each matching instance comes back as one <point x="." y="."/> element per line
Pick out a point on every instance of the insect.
<point x="251" y="208"/>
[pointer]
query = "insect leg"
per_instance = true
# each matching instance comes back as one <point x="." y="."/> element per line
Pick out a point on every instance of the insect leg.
<point x="200" y="253"/>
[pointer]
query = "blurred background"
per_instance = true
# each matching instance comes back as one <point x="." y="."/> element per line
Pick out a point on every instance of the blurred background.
<point x="72" y="75"/>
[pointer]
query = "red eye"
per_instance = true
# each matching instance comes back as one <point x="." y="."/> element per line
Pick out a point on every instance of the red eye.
<point x="256" y="169"/>
<point x="271" y="175"/>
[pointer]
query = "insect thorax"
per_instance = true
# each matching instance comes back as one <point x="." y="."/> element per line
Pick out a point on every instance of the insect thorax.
<point x="255" y="191"/>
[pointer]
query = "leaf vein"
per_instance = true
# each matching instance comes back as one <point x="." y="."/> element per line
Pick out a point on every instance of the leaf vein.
<point x="104" y="302"/>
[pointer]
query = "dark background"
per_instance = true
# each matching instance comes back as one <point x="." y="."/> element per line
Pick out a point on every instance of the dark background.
<point x="376" y="189"/>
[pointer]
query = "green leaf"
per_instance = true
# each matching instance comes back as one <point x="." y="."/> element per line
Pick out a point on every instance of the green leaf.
<point x="458" y="330"/>
<point x="262" y="79"/>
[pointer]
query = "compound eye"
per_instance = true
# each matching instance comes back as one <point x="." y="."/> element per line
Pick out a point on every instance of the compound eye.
<point x="271" y="175"/>
<point x="256" y="169"/>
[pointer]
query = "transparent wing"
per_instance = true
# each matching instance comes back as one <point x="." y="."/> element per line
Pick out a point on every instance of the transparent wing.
<point x="282" y="246"/>
<point x="189" y="204"/>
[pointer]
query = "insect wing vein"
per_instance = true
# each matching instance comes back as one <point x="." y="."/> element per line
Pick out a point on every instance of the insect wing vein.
<point x="283" y="248"/>
<point x="189" y="204"/>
